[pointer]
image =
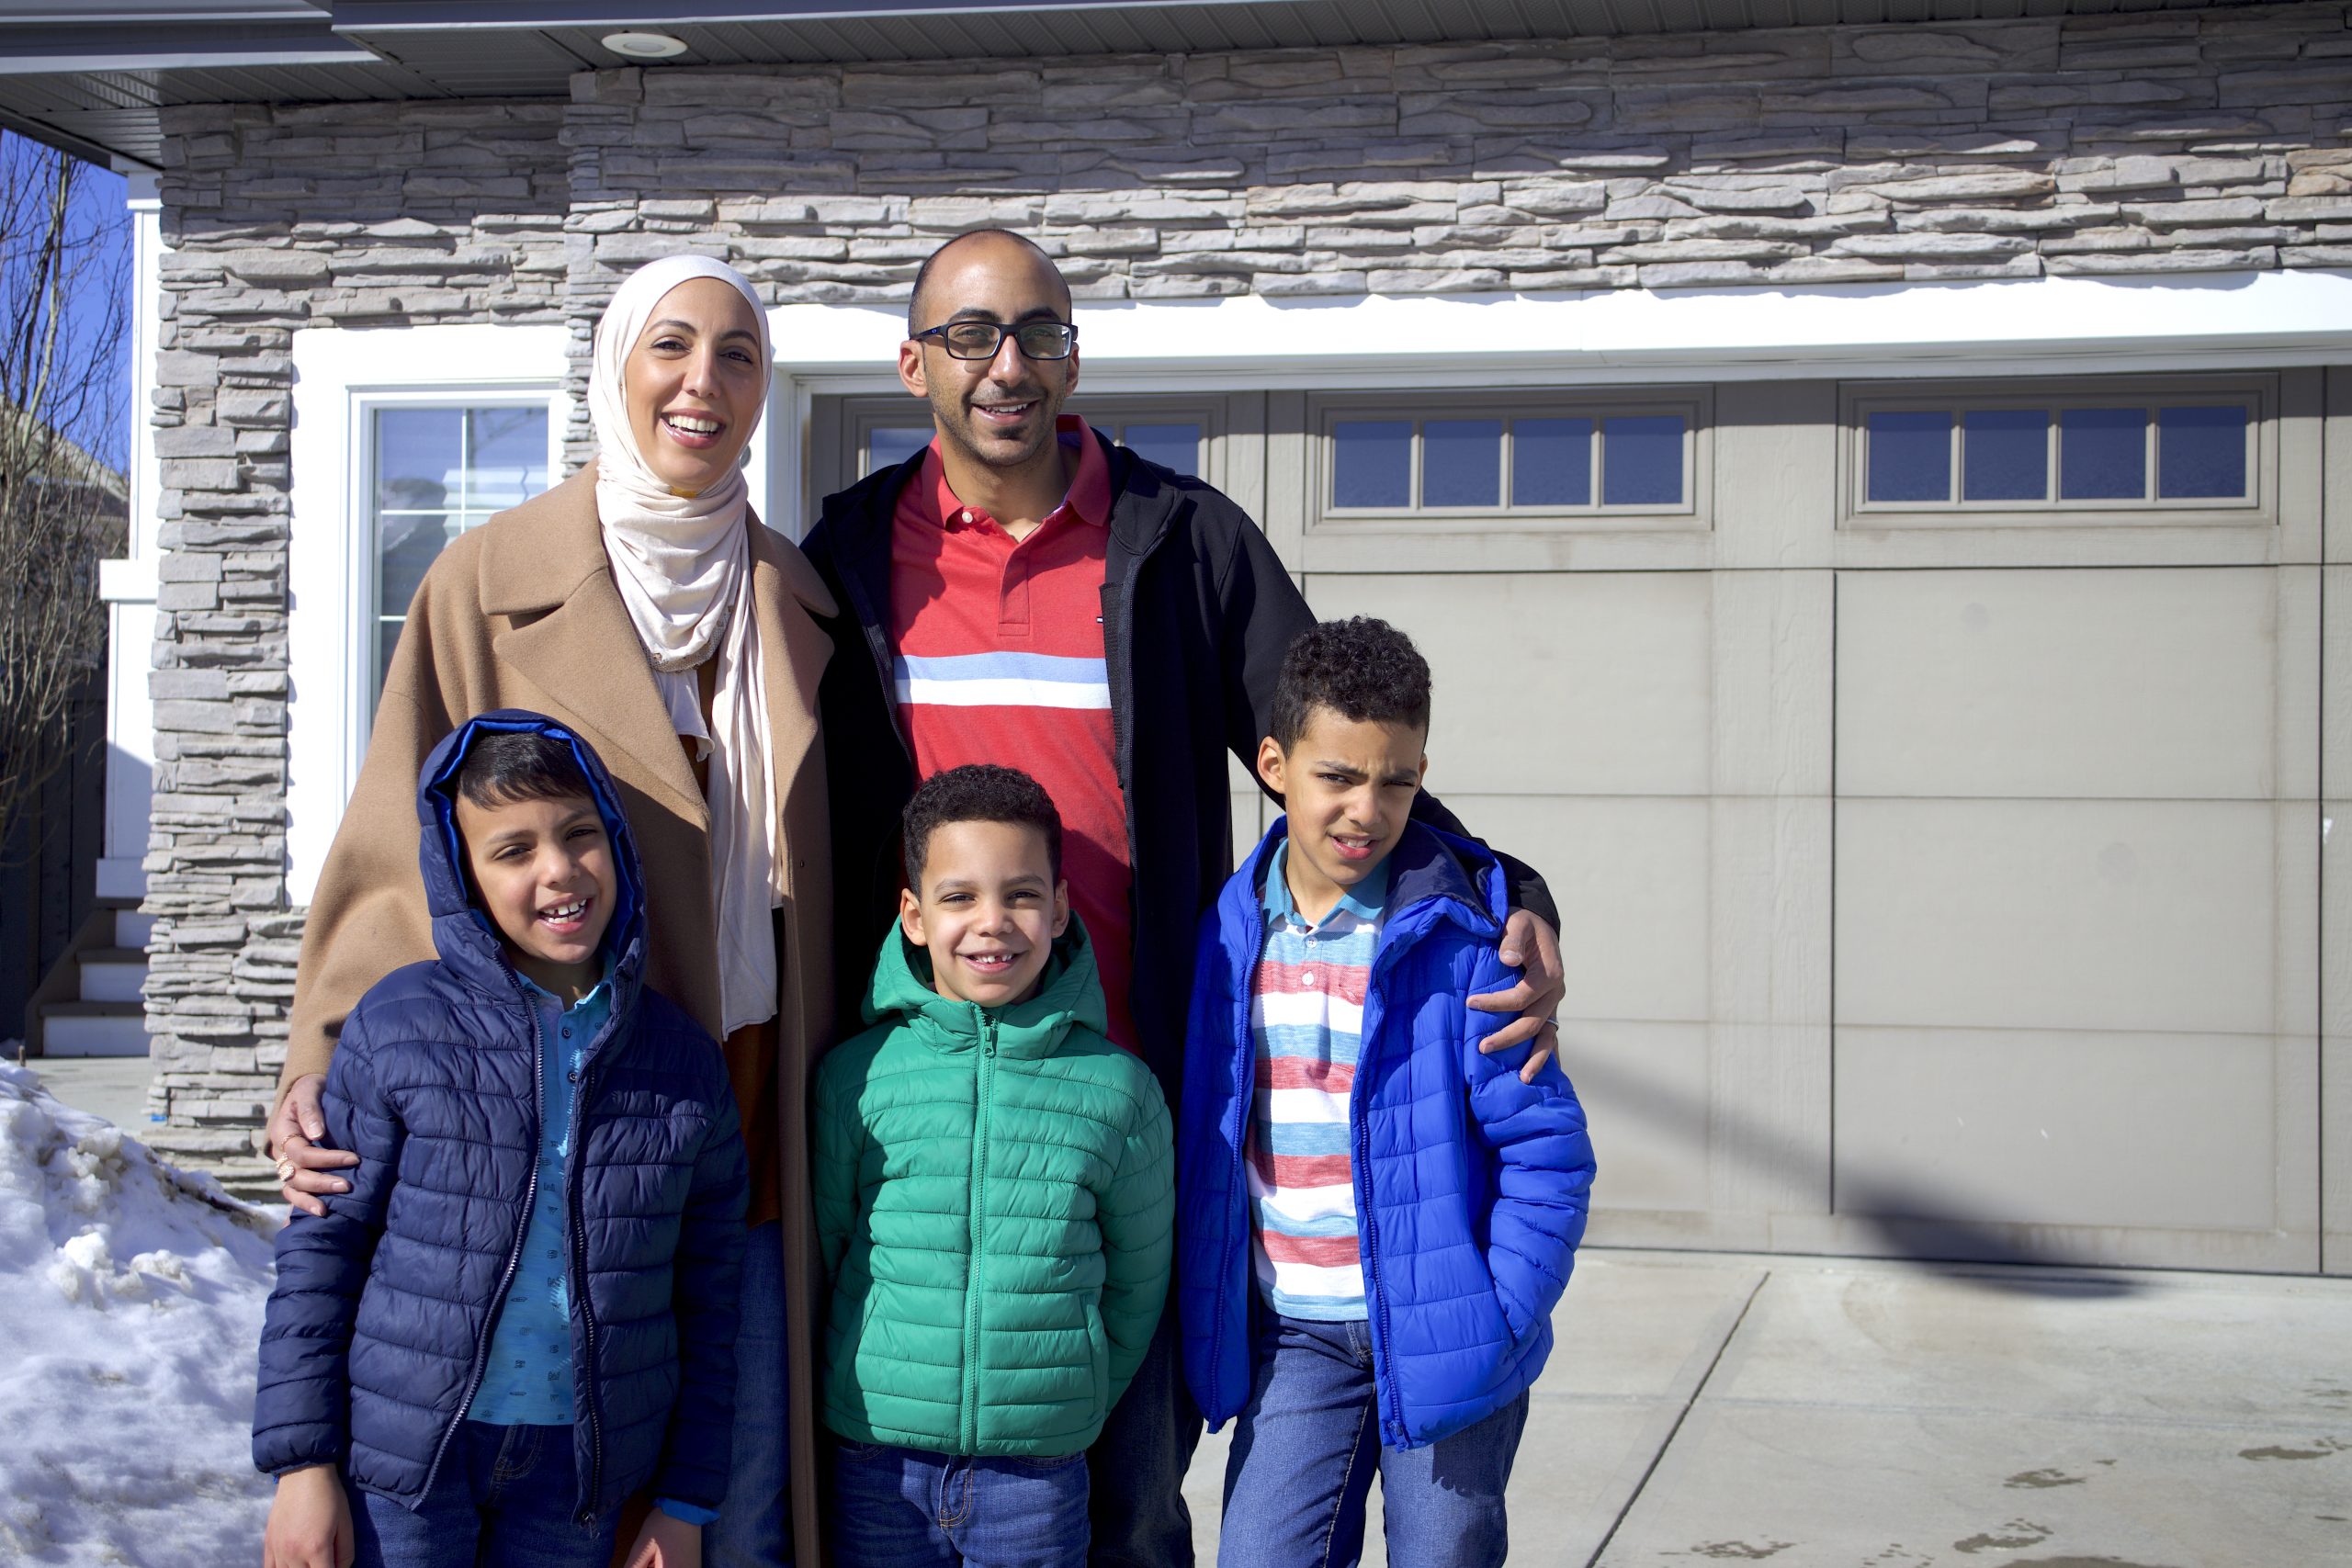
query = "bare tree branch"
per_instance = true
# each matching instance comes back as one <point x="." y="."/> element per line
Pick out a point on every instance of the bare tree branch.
<point x="62" y="508"/>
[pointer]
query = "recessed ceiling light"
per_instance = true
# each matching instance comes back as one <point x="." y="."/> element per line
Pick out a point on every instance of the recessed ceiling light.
<point x="645" y="46"/>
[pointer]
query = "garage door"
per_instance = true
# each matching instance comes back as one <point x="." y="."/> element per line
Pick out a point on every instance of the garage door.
<point x="1929" y="775"/>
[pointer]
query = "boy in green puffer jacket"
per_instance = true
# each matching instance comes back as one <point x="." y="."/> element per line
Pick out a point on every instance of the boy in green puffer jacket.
<point x="995" y="1194"/>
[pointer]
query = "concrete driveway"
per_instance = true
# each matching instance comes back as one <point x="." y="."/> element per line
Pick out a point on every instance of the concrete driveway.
<point x="1819" y="1413"/>
<point x="1715" y="1408"/>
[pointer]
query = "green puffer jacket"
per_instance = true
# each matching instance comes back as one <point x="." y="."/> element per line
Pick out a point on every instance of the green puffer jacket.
<point x="995" y="1201"/>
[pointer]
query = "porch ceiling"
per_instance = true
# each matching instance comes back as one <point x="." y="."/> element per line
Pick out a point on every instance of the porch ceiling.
<point x="91" y="76"/>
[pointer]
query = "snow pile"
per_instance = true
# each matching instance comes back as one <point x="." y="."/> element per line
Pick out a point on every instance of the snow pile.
<point x="130" y="1304"/>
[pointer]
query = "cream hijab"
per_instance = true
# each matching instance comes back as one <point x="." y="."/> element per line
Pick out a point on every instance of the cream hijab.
<point x="683" y="564"/>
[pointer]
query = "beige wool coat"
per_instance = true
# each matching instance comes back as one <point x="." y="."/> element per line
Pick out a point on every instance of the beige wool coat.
<point x="523" y="613"/>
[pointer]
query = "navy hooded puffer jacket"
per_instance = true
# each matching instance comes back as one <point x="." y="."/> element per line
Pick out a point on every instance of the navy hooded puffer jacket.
<point x="380" y="1321"/>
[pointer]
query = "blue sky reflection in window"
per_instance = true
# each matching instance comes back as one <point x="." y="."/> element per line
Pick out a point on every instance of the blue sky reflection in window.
<point x="1372" y="462"/>
<point x="888" y="446"/>
<point x="1176" y="447"/>
<point x="2102" y="454"/>
<point x="2005" y="455"/>
<point x="1640" y="460"/>
<point x="1461" y="462"/>
<point x="438" y="472"/>
<point x="1551" y="462"/>
<point x="1910" y="455"/>
<point x="2200" y="452"/>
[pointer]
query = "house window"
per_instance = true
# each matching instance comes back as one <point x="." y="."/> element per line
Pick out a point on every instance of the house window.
<point x="1542" y="456"/>
<point x="437" y="471"/>
<point x="2124" y="445"/>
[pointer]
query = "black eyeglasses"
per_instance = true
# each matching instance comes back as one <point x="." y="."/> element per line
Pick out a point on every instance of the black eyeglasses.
<point x="980" y="340"/>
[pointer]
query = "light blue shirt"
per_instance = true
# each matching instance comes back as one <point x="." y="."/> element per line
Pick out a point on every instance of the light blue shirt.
<point x="528" y="1379"/>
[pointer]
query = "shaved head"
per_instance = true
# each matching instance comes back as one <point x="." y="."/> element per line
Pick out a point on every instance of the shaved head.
<point x="1002" y="246"/>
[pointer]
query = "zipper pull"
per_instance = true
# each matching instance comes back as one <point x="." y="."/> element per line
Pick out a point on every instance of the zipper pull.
<point x="988" y="1036"/>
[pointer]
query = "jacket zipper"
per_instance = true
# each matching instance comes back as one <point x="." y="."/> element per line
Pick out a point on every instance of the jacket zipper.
<point x="514" y="1255"/>
<point x="869" y="616"/>
<point x="589" y="1389"/>
<point x="970" y="1425"/>
<point x="1360" y="1130"/>
<point x="1244" y="1076"/>
<point x="1366" y="1224"/>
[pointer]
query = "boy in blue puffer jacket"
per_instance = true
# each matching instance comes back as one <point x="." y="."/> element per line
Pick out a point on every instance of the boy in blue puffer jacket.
<point x="1375" y="1217"/>
<point x="524" y="1310"/>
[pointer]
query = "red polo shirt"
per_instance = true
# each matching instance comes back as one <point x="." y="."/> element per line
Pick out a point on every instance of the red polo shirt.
<point x="998" y="657"/>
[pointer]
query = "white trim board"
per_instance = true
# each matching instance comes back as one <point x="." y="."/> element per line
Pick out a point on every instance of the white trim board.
<point x="128" y="585"/>
<point x="1999" y="326"/>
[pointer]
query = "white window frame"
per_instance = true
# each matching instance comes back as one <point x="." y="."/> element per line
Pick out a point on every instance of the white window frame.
<point x="342" y="377"/>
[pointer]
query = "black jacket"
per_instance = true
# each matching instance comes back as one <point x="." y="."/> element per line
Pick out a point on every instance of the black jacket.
<point x="1197" y="612"/>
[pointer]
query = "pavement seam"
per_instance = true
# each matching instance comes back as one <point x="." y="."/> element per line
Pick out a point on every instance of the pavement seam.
<point x="1697" y="1390"/>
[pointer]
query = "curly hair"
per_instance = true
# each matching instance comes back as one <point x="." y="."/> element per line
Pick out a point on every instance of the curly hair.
<point x="1362" y="669"/>
<point x="977" y="791"/>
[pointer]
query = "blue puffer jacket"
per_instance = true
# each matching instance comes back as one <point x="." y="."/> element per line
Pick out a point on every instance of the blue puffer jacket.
<point x="1470" y="1185"/>
<point x="381" y="1318"/>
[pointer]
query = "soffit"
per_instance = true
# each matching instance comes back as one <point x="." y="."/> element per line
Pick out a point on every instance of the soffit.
<point x="93" y="76"/>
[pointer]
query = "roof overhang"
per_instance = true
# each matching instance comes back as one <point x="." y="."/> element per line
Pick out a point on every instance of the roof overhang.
<point x="94" y="76"/>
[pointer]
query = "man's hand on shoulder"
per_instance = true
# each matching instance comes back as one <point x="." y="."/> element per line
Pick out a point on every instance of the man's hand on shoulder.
<point x="305" y="1169"/>
<point x="1532" y="947"/>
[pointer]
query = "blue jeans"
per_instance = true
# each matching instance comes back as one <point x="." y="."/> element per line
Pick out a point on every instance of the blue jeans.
<point x="1139" y="1464"/>
<point x="754" y="1529"/>
<point x="507" y="1495"/>
<point x="894" y="1508"/>
<point x="1307" y="1448"/>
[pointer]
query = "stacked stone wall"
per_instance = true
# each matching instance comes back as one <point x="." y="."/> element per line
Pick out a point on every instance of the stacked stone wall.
<point x="355" y="215"/>
<point x="2139" y="143"/>
<point x="2212" y="141"/>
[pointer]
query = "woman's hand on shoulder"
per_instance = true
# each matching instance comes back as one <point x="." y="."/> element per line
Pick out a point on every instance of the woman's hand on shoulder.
<point x="305" y="1168"/>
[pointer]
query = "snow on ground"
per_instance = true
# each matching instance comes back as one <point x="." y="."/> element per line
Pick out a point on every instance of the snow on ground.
<point x="130" y="1305"/>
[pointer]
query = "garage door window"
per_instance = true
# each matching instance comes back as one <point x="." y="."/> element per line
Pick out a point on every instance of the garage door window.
<point x="1540" y="457"/>
<point x="2124" y="448"/>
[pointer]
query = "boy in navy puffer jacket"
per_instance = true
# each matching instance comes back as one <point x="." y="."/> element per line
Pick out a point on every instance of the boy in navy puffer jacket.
<point x="524" y="1309"/>
<point x="1375" y="1217"/>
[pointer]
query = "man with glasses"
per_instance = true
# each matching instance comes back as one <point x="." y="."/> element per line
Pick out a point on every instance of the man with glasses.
<point x="1024" y="591"/>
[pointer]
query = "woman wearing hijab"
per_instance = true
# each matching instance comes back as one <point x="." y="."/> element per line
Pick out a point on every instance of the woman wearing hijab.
<point x="642" y="602"/>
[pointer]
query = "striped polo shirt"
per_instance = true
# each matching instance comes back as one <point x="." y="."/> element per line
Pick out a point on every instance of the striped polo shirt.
<point x="997" y="652"/>
<point x="1305" y="1024"/>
